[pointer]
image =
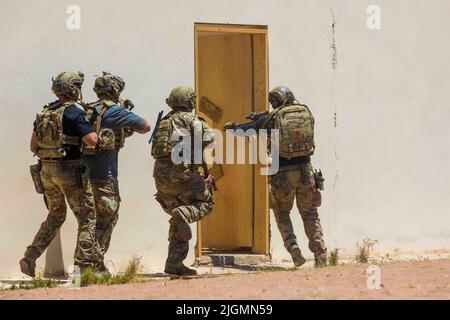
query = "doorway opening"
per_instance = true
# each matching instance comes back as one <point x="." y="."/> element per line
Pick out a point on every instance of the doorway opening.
<point x="231" y="81"/>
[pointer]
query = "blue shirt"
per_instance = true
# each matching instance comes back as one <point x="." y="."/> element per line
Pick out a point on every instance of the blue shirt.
<point x="104" y="164"/>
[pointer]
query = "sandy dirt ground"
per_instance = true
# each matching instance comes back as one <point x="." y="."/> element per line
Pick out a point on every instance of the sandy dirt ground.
<point x="399" y="280"/>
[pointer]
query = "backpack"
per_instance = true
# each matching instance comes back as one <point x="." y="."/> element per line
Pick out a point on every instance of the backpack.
<point x="162" y="143"/>
<point x="296" y="128"/>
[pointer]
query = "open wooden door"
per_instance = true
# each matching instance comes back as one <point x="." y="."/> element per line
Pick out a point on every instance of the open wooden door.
<point x="231" y="64"/>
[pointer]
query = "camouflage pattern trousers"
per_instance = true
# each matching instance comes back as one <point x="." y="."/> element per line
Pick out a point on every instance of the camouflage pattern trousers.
<point x="107" y="203"/>
<point x="297" y="182"/>
<point x="180" y="189"/>
<point x="65" y="181"/>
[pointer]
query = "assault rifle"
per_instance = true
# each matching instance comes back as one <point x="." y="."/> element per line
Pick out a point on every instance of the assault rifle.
<point x="254" y="116"/>
<point x="158" y="121"/>
<point x="257" y="115"/>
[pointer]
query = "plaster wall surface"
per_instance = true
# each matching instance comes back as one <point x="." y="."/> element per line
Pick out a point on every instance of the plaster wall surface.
<point x="380" y="99"/>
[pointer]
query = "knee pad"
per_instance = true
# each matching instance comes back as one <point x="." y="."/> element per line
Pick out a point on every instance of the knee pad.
<point x="107" y="206"/>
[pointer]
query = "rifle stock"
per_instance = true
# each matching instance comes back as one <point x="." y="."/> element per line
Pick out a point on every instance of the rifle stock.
<point x="158" y="121"/>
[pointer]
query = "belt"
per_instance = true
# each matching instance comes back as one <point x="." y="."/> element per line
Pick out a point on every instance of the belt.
<point x="58" y="161"/>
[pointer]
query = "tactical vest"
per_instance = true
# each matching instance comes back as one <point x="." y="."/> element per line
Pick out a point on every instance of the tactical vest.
<point x="162" y="144"/>
<point x="108" y="139"/>
<point x="296" y="129"/>
<point x="49" y="131"/>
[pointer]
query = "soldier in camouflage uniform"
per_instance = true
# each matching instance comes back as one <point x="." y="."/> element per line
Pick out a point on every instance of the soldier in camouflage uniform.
<point x="58" y="132"/>
<point x="182" y="191"/>
<point x="113" y="121"/>
<point x="296" y="178"/>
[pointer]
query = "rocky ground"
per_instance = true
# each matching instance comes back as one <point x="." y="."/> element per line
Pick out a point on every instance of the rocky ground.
<point x="399" y="280"/>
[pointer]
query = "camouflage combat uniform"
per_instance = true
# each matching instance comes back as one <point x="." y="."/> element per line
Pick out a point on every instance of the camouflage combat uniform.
<point x="107" y="203"/>
<point x="181" y="190"/>
<point x="59" y="175"/>
<point x="113" y="120"/>
<point x="62" y="181"/>
<point x="105" y="187"/>
<point x="297" y="182"/>
<point x="295" y="179"/>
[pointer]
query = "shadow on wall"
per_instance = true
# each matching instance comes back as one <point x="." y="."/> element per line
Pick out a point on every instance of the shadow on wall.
<point x="54" y="262"/>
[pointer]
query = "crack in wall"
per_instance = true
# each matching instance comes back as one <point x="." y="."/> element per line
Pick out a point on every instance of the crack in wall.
<point x="334" y="63"/>
<point x="335" y="179"/>
<point x="333" y="40"/>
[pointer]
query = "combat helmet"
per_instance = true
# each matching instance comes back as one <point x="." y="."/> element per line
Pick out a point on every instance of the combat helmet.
<point x="109" y="85"/>
<point x="181" y="97"/>
<point x="280" y="96"/>
<point x="68" y="85"/>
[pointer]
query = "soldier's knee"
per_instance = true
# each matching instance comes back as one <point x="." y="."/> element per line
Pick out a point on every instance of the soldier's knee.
<point x="85" y="243"/>
<point x="57" y="220"/>
<point x="281" y="216"/>
<point x="57" y="208"/>
<point x="281" y="204"/>
<point x="168" y="203"/>
<point x="204" y="208"/>
<point x="316" y="198"/>
<point x="310" y="214"/>
<point x="194" y="212"/>
<point x="171" y="232"/>
<point x="86" y="219"/>
<point x="107" y="206"/>
<point x="105" y="222"/>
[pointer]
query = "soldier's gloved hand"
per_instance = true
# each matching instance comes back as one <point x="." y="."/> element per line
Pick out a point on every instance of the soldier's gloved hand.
<point x="209" y="179"/>
<point x="229" y="125"/>
<point x="211" y="182"/>
<point x="129" y="105"/>
<point x="128" y="132"/>
<point x="251" y="116"/>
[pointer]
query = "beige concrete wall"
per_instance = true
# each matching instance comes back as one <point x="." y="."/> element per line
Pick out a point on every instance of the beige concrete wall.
<point x="382" y="115"/>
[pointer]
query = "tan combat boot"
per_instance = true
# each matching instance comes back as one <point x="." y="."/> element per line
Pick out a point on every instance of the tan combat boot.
<point x="28" y="266"/>
<point x="179" y="269"/>
<point x="320" y="260"/>
<point x="297" y="257"/>
<point x="103" y="271"/>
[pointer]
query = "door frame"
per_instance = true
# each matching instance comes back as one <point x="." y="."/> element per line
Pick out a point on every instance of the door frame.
<point x="261" y="218"/>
